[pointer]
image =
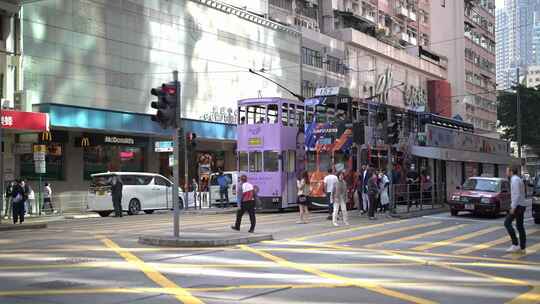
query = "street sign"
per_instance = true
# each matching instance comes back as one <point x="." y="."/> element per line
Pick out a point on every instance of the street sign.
<point x="171" y="160"/>
<point x="40" y="148"/>
<point x="39" y="156"/>
<point x="163" y="146"/>
<point x="40" y="166"/>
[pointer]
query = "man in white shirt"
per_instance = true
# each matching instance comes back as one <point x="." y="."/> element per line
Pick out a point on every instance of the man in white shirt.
<point x="329" y="183"/>
<point x="517" y="211"/>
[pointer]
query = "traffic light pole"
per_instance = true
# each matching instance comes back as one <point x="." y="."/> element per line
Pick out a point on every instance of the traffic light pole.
<point x="176" y="155"/>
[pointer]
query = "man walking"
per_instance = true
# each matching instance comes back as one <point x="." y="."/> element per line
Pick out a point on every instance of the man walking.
<point x="363" y="189"/>
<point x="329" y="182"/>
<point x="373" y="192"/>
<point x="117" y="196"/>
<point x="248" y="205"/>
<point x="223" y="182"/>
<point x="517" y="211"/>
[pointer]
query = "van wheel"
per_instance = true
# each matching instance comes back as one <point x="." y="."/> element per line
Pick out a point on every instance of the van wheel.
<point x="453" y="212"/>
<point x="148" y="211"/>
<point x="134" y="207"/>
<point x="537" y="220"/>
<point x="104" y="213"/>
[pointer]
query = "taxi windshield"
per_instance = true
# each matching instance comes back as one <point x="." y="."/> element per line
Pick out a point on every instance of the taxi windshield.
<point x="476" y="184"/>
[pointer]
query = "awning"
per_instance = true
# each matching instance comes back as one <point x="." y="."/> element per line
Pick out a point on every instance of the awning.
<point x="27" y="121"/>
<point x="460" y="155"/>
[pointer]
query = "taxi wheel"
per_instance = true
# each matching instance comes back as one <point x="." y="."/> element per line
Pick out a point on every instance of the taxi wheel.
<point x="134" y="207"/>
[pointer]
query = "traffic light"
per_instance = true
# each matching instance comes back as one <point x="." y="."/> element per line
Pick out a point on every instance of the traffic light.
<point x="165" y="105"/>
<point x="191" y="139"/>
<point x="392" y="133"/>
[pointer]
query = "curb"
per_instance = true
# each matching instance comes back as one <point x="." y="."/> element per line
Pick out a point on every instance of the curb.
<point x="80" y="216"/>
<point x="419" y="213"/>
<point x="210" y="212"/>
<point x="203" y="240"/>
<point x="15" y="227"/>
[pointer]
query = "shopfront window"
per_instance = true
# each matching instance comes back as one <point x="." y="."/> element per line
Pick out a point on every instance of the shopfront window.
<point x="112" y="158"/>
<point x="54" y="160"/>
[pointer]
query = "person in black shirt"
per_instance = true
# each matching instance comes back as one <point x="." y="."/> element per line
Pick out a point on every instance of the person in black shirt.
<point x="18" y="198"/>
<point x="117" y="196"/>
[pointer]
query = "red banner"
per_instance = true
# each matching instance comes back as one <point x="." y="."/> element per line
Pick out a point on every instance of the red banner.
<point x="30" y="121"/>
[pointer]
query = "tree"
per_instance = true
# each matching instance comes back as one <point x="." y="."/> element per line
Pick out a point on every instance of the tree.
<point x="530" y="115"/>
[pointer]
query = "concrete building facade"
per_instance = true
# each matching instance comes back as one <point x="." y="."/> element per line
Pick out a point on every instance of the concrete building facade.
<point x="470" y="50"/>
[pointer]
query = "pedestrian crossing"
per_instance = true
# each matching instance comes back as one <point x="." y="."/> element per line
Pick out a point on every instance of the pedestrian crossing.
<point x="427" y="235"/>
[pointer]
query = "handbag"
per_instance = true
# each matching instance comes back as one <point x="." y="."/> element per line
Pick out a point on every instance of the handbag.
<point x="247" y="196"/>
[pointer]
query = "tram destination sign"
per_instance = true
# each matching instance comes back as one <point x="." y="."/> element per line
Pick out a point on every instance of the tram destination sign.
<point x="332" y="91"/>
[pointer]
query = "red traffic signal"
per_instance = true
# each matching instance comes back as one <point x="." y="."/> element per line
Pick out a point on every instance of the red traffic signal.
<point x="166" y="105"/>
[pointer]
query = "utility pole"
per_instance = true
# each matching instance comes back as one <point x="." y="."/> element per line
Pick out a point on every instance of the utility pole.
<point x="176" y="155"/>
<point x="518" y="114"/>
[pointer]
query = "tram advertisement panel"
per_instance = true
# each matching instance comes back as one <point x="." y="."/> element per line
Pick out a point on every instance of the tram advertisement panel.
<point x="328" y="137"/>
<point x="327" y="143"/>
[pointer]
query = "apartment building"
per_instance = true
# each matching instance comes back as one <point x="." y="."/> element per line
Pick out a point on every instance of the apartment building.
<point x="378" y="49"/>
<point x="464" y="31"/>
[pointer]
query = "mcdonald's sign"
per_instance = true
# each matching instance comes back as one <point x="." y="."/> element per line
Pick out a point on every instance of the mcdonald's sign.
<point x="46" y="136"/>
<point x="85" y="142"/>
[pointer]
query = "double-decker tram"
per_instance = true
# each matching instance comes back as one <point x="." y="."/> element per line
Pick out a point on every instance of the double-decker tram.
<point x="329" y="141"/>
<point x="270" y="145"/>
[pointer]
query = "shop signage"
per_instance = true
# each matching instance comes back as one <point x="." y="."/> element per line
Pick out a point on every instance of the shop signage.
<point x="163" y="146"/>
<point x="102" y="139"/>
<point x="31" y="121"/>
<point x="459" y="140"/>
<point x="119" y="140"/>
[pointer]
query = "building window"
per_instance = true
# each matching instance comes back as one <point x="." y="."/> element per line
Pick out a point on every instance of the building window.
<point x="311" y="57"/>
<point x="334" y="65"/>
<point x="284" y="4"/>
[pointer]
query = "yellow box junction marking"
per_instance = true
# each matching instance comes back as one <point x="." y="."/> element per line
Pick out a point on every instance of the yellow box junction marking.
<point x="456" y="239"/>
<point x="154" y="275"/>
<point x="381" y="233"/>
<point x="362" y="283"/>
<point x="416" y="236"/>
<point x="338" y="231"/>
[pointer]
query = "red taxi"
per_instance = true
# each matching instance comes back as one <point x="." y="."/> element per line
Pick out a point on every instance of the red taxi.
<point x="482" y="195"/>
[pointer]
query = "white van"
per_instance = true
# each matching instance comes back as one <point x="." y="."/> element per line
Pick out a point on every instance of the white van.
<point x="215" y="198"/>
<point x="140" y="192"/>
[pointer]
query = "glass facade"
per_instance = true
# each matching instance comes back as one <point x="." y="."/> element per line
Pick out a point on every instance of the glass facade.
<point x="103" y="158"/>
<point x="108" y="54"/>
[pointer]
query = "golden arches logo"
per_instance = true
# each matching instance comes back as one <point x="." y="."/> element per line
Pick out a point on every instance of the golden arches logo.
<point x="46" y="136"/>
<point x="85" y="142"/>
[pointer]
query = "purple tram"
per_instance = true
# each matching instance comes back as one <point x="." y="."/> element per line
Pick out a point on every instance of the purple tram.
<point x="270" y="144"/>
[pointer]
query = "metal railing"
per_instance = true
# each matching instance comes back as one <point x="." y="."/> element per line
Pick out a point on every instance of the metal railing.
<point x="405" y="198"/>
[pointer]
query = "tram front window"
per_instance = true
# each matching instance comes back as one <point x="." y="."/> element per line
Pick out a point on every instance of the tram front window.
<point x="311" y="161"/>
<point x="325" y="162"/>
<point x="340" y="160"/>
<point x="271" y="161"/>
